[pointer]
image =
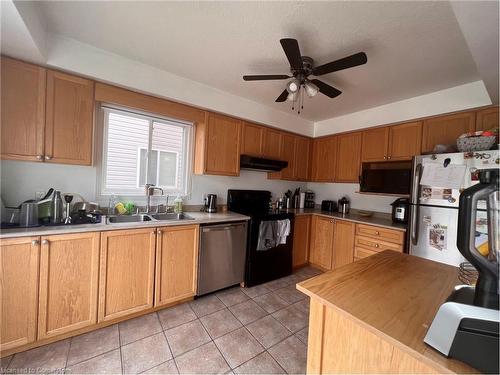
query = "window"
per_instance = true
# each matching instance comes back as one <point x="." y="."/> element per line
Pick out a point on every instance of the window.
<point x="140" y="149"/>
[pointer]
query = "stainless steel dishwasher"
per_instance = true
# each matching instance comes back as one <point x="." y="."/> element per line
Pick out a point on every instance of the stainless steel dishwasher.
<point x="221" y="261"/>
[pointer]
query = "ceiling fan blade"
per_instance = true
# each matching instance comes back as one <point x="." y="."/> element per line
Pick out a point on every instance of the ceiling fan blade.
<point x="345" y="63"/>
<point x="282" y="96"/>
<point x="325" y="89"/>
<point x="265" y="77"/>
<point x="292" y="52"/>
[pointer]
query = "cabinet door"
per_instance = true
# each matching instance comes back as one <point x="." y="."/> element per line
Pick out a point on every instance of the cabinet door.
<point x="301" y="233"/>
<point x="487" y="119"/>
<point x="324" y="158"/>
<point x="272" y="144"/>
<point x="176" y="263"/>
<point x="70" y="119"/>
<point x="322" y="241"/>
<point x="446" y="129"/>
<point x="223" y="145"/>
<point x="343" y="245"/>
<point x="19" y="259"/>
<point x="348" y="157"/>
<point x="69" y="271"/>
<point x="23" y="110"/>
<point x="375" y="144"/>
<point x="302" y="158"/>
<point x="288" y="154"/>
<point x="405" y="141"/>
<point x="252" y="139"/>
<point x="126" y="273"/>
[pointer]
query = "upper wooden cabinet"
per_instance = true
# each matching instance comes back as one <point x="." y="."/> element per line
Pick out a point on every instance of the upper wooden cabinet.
<point x="446" y="129"/>
<point x="321" y="247"/>
<point x="343" y="243"/>
<point x="288" y="154"/>
<point x="301" y="234"/>
<point x="375" y="144"/>
<point x="46" y="115"/>
<point x="252" y="137"/>
<point x="126" y="273"/>
<point x="348" y="157"/>
<point x="23" y="110"/>
<point x="405" y="141"/>
<point x="302" y="158"/>
<point x="19" y="259"/>
<point x="176" y="263"/>
<point x="487" y="118"/>
<point x="272" y="144"/>
<point x="324" y="158"/>
<point x="69" y="271"/>
<point x="217" y="145"/>
<point x="69" y="121"/>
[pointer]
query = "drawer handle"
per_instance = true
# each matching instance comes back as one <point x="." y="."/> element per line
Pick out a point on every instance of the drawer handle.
<point x="377" y="245"/>
<point x="34" y="243"/>
<point x="45" y="242"/>
<point x="377" y="233"/>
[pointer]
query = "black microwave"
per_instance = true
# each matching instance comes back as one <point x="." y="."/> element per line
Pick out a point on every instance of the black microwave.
<point x="388" y="181"/>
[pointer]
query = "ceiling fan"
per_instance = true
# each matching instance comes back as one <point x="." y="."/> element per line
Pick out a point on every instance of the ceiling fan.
<point x="301" y="68"/>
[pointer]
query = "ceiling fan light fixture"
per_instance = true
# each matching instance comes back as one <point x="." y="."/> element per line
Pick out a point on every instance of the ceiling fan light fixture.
<point x="292" y="96"/>
<point x="311" y="89"/>
<point x="293" y="86"/>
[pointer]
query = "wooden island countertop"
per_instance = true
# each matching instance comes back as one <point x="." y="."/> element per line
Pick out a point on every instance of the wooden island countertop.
<point x="372" y="316"/>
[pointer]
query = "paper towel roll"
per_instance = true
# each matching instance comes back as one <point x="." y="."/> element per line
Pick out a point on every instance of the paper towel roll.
<point x="302" y="200"/>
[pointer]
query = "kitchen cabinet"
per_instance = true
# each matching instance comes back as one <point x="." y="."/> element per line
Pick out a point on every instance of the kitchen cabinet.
<point x="324" y="158"/>
<point x="343" y="243"/>
<point x="301" y="234"/>
<point x="375" y="144"/>
<point x="69" y="119"/>
<point x="405" y="141"/>
<point x="69" y="270"/>
<point x="370" y="240"/>
<point x="348" y="157"/>
<point x="272" y="144"/>
<point x="446" y="129"/>
<point x="288" y="154"/>
<point x="176" y="263"/>
<point x="19" y="259"/>
<point x="252" y="139"/>
<point x="126" y="273"/>
<point x="302" y="158"/>
<point x="487" y="118"/>
<point x="23" y="110"/>
<point x="218" y="146"/>
<point x="321" y="248"/>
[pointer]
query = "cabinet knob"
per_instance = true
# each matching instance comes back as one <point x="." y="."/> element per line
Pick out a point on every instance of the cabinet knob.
<point x="39" y="157"/>
<point x="48" y="157"/>
<point x="45" y="242"/>
<point x="388" y="157"/>
<point x="35" y="242"/>
<point x="159" y="231"/>
<point x="376" y="245"/>
<point x="385" y="157"/>
<point x="377" y="233"/>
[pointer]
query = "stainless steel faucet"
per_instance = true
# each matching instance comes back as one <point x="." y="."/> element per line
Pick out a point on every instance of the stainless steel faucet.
<point x="150" y="190"/>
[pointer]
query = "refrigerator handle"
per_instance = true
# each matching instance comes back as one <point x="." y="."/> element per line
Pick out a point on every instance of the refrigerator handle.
<point x="414" y="220"/>
<point x="415" y="190"/>
<point x="415" y="194"/>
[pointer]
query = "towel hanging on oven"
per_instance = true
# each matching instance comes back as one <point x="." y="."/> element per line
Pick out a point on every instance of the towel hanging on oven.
<point x="272" y="233"/>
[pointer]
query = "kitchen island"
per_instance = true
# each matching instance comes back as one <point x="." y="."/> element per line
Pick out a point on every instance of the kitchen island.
<point x="371" y="316"/>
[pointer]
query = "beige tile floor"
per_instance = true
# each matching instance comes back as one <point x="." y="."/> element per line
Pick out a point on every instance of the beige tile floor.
<point x="238" y="330"/>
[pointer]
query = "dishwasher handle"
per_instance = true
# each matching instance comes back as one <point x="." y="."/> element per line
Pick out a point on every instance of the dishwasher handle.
<point x="213" y="228"/>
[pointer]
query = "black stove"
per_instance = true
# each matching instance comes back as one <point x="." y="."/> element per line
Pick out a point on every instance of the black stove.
<point x="275" y="262"/>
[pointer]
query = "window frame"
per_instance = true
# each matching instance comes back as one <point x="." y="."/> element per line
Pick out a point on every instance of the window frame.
<point x="102" y="143"/>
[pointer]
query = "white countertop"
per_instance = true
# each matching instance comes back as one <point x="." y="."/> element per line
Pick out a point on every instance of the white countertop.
<point x="199" y="218"/>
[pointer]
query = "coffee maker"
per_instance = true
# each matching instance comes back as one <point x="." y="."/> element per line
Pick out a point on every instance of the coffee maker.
<point x="466" y="326"/>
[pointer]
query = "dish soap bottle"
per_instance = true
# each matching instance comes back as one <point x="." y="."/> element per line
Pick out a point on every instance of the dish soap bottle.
<point x="178" y="205"/>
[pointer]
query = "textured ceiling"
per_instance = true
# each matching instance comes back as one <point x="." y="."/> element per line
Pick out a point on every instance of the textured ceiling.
<point x="413" y="48"/>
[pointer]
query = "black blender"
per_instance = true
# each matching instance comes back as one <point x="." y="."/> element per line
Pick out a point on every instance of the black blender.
<point x="466" y="326"/>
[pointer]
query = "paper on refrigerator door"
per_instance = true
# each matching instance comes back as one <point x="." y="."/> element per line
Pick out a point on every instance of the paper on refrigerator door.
<point x="435" y="174"/>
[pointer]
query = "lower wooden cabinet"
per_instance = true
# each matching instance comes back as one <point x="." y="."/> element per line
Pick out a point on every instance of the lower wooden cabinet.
<point x="69" y="270"/>
<point x="126" y="274"/>
<point x="19" y="259"/>
<point x="343" y="243"/>
<point x="322" y="231"/>
<point x="176" y="263"/>
<point x="301" y="234"/>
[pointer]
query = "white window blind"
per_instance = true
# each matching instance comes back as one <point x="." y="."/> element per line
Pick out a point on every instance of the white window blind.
<point x="140" y="149"/>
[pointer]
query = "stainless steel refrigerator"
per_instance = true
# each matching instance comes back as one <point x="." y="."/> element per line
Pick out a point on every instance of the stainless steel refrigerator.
<point x="437" y="181"/>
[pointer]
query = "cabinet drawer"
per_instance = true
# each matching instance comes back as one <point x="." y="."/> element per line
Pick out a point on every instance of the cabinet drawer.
<point x="376" y="245"/>
<point x="360" y="253"/>
<point x="384" y="234"/>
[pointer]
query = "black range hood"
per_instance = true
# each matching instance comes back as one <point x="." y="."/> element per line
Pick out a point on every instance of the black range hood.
<point x="261" y="164"/>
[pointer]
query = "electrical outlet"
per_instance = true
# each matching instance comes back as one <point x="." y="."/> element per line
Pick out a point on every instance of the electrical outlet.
<point x="203" y="197"/>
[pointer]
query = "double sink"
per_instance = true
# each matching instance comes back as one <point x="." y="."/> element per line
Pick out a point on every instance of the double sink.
<point x="147" y="217"/>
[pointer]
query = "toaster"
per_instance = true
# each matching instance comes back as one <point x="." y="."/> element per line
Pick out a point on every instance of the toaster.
<point x="330" y="206"/>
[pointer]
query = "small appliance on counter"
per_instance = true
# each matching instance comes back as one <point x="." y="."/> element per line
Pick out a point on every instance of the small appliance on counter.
<point x="400" y="210"/>
<point x="309" y="199"/>
<point x="211" y="203"/>
<point x="466" y="326"/>
<point x="344" y="205"/>
<point x="329" y="206"/>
